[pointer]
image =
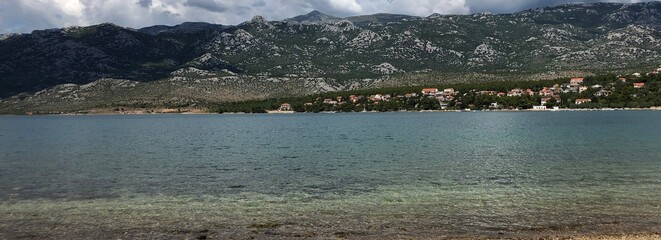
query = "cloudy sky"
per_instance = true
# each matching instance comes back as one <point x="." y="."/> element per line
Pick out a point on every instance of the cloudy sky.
<point x="28" y="15"/>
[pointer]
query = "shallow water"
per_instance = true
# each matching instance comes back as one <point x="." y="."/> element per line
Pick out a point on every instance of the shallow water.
<point x="333" y="175"/>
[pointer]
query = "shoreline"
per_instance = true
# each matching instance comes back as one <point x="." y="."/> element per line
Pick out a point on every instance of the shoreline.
<point x="226" y="219"/>
<point x="203" y="112"/>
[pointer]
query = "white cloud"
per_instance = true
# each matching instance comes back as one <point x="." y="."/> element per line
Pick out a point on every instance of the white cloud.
<point x="27" y="15"/>
<point x="415" y="7"/>
<point x="68" y="7"/>
<point x="346" y="5"/>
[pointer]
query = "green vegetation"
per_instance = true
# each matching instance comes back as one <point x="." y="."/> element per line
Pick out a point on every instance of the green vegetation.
<point x="620" y="95"/>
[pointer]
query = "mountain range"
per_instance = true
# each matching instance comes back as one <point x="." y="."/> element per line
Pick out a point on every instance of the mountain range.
<point x="193" y="63"/>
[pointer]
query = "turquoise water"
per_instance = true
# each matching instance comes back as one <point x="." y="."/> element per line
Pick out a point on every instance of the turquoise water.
<point x="445" y="173"/>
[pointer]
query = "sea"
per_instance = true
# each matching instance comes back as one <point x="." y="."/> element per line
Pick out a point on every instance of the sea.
<point x="343" y="175"/>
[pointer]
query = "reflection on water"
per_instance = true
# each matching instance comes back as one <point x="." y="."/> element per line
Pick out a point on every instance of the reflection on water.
<point x="339" y="175"/>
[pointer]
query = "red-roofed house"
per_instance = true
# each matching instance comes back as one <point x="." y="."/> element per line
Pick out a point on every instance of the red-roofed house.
<point x="353" y="98"/>
<point x="429" y="91"/>
<point x="583" y="100"/>
<point x="576" y="80"/>
<point x="517" y="92"/>
<point x="545" y="92"/>
<point x="639" y="85"/>
<point x="285" y="107"/>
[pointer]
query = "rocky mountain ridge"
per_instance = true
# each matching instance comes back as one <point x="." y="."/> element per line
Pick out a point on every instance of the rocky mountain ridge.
<point x="318" y="52"/>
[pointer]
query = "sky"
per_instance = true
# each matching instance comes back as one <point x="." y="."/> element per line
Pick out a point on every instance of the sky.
<point x="27" y="15"/>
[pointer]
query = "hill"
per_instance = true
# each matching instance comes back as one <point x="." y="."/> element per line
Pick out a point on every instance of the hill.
<point x="202" y="62"/>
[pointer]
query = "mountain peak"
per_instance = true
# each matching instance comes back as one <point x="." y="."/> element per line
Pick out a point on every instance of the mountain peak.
<point x="314" y="17"/>
<point x="4" y="36"/>
<point x="317" y="13"/>
<point x="258" y="19"/>
<point x="259" y="22"/>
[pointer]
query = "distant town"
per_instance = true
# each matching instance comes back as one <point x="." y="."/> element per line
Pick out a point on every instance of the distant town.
<point x="607" y="92"/>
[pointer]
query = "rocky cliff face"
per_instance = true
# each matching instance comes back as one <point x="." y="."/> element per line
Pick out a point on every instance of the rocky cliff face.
<point x="322" y="50"/>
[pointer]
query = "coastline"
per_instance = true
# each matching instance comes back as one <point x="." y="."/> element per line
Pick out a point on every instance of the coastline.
<point x="102" y="112"/>
<point x="223" y="218"/>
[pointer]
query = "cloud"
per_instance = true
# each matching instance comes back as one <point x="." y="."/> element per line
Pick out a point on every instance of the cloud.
<point x="145" y="3"/>
<point x="210" y="5"/>
<point x="28" y="15"/>
<point x="420" y="8"/>
<point x="347" y="5"/>
<point x="506" y="6"/>
<point x="20" y="16"/>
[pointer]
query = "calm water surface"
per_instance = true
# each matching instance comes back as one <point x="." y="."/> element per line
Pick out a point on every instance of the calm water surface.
<point x="447" y="172"/>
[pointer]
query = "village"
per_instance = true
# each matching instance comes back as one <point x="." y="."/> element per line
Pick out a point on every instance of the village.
<point x="608" y="92"/>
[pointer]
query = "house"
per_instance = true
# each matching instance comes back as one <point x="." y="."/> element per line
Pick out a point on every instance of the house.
<point x="330" y="101"/>
<point x="567" y="87"/>
<point x="545" y="92"/>
<point x="339" y="98"/>
<point x="449" y="91"/>
<point x="539" y="108"/>
<point x="515" y="92"/>
<point x="556" y="89"/>
<point x="622" y="79"/>
<point x="354" y="98"/>
<point x="574" y="85"/>
<point x="429" y="91"/>
<point x="583" y="100"/>
<point x="529" y="92"/>
<point x="378" y="97"/>
<point x="577" y="80"/>
<point x="557" y="98"/>
<point x="637" y="75"/>
<point x="494" y="105"/>
<point x="285" y="107"/>
<point x="309" y="104"/>
<point x="603" y="93"/>
<point x="488" y="93"/>
<point x="639" y="85"/>
<point x="501" y="94"/>
<point x="444" y="98"/>
<point x="597" y="86"/>
<point x="582" y="89"/>
<point x="544" y="101"/>
<point x="571" y="89"/>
